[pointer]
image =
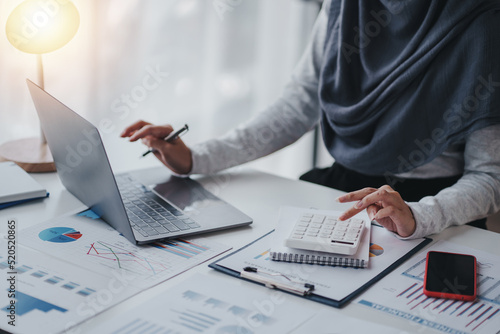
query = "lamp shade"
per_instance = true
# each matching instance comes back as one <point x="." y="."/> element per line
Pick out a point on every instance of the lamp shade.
<point x="42" y="26"/>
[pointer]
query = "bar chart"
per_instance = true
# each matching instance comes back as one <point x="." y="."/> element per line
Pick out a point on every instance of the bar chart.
<point x="401" y="294"/>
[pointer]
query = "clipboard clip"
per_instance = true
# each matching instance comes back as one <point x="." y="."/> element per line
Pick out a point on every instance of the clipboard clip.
<point x="299" y="288"/>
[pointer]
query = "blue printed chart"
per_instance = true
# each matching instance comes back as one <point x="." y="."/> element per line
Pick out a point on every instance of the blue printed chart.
<point x="203" y="304"/>
<point x="49" y="292"/>
<point x="86" y="240"/>
<point x="27" y="303"/>
<point x="72" y="260"/>
<point x="401" y="294"/>
<point x="60" y="234"/>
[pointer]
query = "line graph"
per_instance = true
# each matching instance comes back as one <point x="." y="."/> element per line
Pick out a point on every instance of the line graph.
<point x="124" y="258"/>
<point x="103" y="250"/>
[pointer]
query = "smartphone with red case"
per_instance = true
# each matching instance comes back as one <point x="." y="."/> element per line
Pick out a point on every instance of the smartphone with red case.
<point x="450" y="275"/>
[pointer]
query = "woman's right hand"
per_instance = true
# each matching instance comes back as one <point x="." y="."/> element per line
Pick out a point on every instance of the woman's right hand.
<point x="173" y="154"/>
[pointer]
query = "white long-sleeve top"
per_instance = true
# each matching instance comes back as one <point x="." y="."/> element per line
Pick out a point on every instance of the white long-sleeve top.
<point x="476" y="195"/>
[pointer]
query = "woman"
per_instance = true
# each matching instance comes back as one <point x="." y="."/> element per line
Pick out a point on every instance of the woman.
<point x="408" y="97"/>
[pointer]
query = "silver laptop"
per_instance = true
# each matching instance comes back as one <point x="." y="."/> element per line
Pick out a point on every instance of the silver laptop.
<point x="176" y="208"/>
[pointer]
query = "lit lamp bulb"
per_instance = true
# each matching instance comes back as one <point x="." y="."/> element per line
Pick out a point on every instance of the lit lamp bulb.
<point x="37" y="27"/>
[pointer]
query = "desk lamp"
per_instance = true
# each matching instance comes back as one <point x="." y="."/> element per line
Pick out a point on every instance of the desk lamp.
<point x="38" y="27"/>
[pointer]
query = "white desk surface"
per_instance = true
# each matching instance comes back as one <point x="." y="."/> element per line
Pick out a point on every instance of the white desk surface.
<point x="257" y="194"/>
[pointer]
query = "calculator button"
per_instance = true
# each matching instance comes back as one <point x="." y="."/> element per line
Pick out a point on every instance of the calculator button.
<point x="323" y="232"/>
<point x="318" y="219"/>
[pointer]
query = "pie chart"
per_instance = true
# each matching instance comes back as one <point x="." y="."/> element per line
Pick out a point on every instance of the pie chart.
<point x="375" y="250"/>
<point x="59" y="234"/>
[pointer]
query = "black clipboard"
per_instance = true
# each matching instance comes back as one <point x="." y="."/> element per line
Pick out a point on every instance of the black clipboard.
<point x="311" y="295"/>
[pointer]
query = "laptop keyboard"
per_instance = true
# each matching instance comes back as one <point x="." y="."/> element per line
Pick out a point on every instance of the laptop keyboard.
<point x="147" y="215"/>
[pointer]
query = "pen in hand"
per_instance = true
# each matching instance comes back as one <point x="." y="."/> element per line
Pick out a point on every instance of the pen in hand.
<point x="171" y="137"/>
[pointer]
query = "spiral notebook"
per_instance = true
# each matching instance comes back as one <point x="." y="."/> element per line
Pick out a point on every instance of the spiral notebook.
<point x="332" y="285"/>
<point x="18" y="186"/>
<point x="287" y="218"/>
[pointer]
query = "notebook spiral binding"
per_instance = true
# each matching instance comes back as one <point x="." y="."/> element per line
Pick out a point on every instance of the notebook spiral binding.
<point x="317" y="259"/>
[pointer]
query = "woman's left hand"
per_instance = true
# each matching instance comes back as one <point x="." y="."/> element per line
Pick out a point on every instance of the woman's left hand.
<point x="384" y="205"/>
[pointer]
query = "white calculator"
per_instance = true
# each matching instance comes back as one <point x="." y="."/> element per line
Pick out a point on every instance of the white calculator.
<point x="324" y="233"/>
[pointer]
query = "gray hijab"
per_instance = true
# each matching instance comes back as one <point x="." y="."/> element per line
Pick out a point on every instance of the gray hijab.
<point x="403" y="80"/>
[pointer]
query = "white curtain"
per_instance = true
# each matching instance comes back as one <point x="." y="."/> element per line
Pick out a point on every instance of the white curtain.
<point x="209" y="63"/>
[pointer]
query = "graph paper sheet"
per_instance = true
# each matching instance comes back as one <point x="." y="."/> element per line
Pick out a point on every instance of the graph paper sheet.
<point x="52" y="295"/>
<point x="90" y="243"/>
<point x="401" y="294"/>
<point x="206" y="304"/>
<point x="76" y="266"/>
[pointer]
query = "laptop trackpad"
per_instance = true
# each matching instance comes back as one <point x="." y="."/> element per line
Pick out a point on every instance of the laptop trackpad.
<point x="188" y="195"/>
